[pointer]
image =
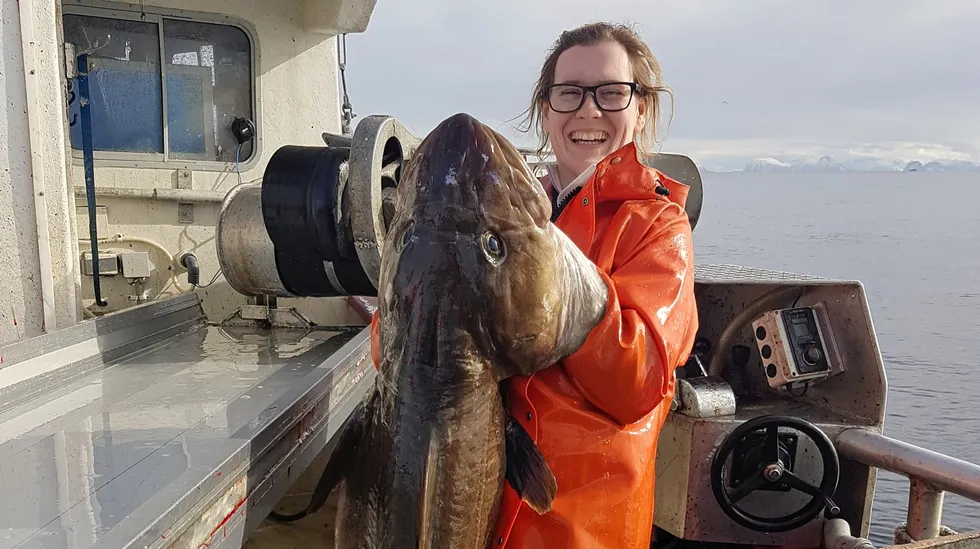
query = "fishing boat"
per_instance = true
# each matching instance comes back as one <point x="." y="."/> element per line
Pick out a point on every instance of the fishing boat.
<point x="191" y="220"/>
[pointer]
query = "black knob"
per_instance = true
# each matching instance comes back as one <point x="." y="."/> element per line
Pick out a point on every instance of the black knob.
<point x="812" y="355"/>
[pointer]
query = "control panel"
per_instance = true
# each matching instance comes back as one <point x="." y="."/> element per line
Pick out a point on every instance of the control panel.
<point x="795" y="345"/>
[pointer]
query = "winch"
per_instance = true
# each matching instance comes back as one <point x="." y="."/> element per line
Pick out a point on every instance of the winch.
<point x="303" y="230"/>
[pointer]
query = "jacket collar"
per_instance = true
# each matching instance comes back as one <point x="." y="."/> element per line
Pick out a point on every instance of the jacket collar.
<point x="630" y="180"/>
<point x="619" y="176"/>
<point x="622" y="176"/>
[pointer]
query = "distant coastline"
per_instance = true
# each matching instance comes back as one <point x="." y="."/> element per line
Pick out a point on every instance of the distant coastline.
<point x="812" y="164"/>
<point x="827" y="164"/>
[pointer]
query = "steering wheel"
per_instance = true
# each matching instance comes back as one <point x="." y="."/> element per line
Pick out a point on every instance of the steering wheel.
<point x="770" y="471"/>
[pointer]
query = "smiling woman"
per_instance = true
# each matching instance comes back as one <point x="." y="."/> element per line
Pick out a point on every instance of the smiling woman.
<point x="612" y="65"/>
<point x="597" y="414"/>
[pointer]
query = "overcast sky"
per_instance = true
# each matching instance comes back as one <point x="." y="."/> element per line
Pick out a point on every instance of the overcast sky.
<point x="897" y="80"/>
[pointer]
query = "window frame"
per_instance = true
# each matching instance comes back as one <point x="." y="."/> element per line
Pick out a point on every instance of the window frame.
<point x="157" y="15"/>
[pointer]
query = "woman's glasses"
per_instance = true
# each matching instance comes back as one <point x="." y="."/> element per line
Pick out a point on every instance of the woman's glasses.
<point x="609" y="97"/>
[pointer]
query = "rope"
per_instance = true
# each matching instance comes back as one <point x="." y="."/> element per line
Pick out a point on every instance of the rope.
<point x="902" y="534"/>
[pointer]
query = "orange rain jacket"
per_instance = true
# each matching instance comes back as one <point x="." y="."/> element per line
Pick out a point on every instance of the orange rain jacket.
<point x="597" y="414"/>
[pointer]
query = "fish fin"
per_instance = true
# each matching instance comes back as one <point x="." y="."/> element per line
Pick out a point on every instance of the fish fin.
<point x="430" y="481"/>
<point x="586" y="288"/>
<point x="527" y="471"/>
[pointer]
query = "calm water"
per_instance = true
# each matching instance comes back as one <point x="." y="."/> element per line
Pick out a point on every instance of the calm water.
<point x="913" y="239"/>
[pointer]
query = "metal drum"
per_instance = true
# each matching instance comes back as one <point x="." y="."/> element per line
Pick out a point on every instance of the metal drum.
<point x="314" y="225"/>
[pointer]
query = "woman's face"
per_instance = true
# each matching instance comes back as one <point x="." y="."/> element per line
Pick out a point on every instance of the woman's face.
<point x="589" y="134"/>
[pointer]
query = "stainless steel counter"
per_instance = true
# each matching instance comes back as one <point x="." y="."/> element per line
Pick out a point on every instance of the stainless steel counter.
<point x="151" y="428"/>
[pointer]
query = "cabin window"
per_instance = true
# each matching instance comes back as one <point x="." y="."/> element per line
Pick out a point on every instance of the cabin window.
<point x="207" y="68"/>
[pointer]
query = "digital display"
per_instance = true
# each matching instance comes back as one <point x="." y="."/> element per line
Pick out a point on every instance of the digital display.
<point x="792" y="345"/>
<point x="801" y="328"/>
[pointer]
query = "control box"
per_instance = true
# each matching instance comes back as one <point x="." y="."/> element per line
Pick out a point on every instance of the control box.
<point x="135" y="264"/>
<point x="795" y="345"/>
<point x="108" y="264"/>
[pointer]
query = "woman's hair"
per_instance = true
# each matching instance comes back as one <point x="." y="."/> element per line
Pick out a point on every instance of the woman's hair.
<point x="646" y="74"/>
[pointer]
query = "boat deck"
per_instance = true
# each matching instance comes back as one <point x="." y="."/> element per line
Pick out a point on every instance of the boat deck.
<point x="153" y="428"/>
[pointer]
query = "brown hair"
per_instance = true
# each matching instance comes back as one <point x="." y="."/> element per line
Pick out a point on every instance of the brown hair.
<point x="646" y="74"/>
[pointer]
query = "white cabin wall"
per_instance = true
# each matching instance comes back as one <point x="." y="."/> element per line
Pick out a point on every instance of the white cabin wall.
<point x="21" y="312"/>
<point x="298" y="100"/>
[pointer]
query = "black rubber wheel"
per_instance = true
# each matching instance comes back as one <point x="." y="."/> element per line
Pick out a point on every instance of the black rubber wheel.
<point x="821" y="495"/>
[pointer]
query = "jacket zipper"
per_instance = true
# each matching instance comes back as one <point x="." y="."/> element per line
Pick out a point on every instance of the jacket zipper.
<point x="558" y="207"/>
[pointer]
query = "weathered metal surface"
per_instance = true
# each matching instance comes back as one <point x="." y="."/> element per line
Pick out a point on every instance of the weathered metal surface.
<point x="703" y="397"/>
<point x="375" y="138"/>
<point x="942" y="471"/>
<point x="925" y="510"/>
<point x="686" y="506"/>
<point x="245" y="251"/>
<point x="36" y="368"/>
<point x="169" y="195"/>
<point x="930" y="475"/>
<point x="321" y="207"/>
<point x="968" y="540"/>
<point x="856" y="398"/>
<point x="837" y="535"/>
<point x="722" y="273"/>
<point x="153" y="429"/>
<point x="723" y="292"/>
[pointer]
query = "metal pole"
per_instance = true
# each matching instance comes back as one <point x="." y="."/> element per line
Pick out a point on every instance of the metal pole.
<point x="925" y="510"/>
<point x="939" y="471"/>
<point x="85" y="109"/>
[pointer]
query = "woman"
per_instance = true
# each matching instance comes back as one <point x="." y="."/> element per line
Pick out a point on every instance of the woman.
<point x="597" y="415"/>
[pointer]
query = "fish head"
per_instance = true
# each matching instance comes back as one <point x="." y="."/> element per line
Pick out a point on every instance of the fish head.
<point x="472" y="236"/>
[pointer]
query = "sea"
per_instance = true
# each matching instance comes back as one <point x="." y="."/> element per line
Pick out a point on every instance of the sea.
<point x="913" y="240"/>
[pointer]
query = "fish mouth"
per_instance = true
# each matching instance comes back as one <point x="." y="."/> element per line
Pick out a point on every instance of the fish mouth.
<point x="458" y="147"/>
<point x="465" y="132"/>
<point x="588" y="137"/>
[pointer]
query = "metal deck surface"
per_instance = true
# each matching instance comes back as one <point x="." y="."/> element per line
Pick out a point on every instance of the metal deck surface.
<point x="151" y="428"/>
<point x="726" y="273"/>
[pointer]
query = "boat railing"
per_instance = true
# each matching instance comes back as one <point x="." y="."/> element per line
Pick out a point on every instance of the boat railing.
<point x="930" y="475"/>
<point x="537" y="162"/>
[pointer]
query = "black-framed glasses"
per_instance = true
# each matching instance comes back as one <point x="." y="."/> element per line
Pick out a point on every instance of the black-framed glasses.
<point x="609" y="97"/>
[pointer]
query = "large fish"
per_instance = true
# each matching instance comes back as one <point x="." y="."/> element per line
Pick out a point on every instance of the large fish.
<point x="476" y="285"/>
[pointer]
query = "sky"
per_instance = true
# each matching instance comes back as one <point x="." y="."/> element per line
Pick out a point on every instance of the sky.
<point x="868" y="83"/>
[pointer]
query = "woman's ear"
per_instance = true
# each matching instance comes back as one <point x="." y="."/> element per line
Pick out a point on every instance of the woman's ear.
<point x="641" y="107"/>
<point x="641" y="120"/>
<point x="546" y="118"/>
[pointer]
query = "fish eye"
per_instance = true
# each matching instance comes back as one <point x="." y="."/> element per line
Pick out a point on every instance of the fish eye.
<point x="493" y="247"/>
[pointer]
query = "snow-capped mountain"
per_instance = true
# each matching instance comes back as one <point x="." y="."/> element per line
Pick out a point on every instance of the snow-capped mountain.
<point x="806" y="164"/>
<point x="827" y="164"/>
<point x="946" y="166"/>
